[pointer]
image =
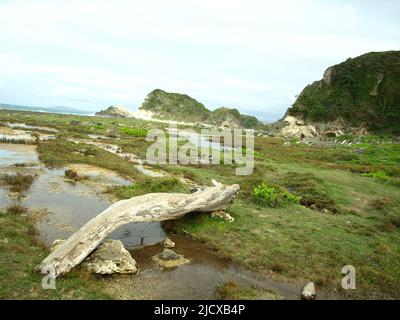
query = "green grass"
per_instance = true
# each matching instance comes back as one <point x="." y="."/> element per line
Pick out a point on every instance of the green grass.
<point x="380" y="175"/>
<point x="348" y="210"/>
<point x="162" y="185"/>
<point x="59" y="153"/>
<point x="301" y="241"/>
<point x="20" y="253"/>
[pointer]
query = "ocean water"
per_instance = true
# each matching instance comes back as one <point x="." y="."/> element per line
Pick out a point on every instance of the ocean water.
<point x="60" y="109"/>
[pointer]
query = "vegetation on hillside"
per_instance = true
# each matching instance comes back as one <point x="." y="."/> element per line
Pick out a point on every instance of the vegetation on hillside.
<point x="221" y="115"/>
<point x="175" y="106"/>
<point x="21" y="252"/>
<point x="364" y="91"/>
<point x="181" y="107"/>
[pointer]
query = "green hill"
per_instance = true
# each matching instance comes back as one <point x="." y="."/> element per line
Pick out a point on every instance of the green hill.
<point x="175" y="106"/>
<point x="233" y="118"/>
<point x="181" y="107"/>
<point x="364" y="92"/>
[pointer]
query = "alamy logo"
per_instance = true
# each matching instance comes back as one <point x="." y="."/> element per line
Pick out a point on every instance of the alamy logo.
<point x="49" y="280"/>
<point x="210" y="146"/>
<point x="349" y="280"/>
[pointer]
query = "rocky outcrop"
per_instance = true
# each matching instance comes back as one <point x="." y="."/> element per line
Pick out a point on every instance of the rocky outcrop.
<point x="328" y="74"/>
<point x="293" y="127"/>
<point x="111" y="257"/>
<point x="297" y="128"/>
<point x="114" y="112"/>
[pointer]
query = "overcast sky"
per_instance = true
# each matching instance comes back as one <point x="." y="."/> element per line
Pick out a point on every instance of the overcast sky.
<point x="252" y="55"/>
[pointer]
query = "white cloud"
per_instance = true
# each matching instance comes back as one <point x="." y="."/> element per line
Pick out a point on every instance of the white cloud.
<point x="254" y="55"/>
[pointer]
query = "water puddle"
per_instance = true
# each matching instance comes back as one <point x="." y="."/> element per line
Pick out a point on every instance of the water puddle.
<point x="25" y="126"/>
<point x="12" y="154"/>
<point x="69" y="205"/>
<point x="10" y="135"/>
<point x="196" y="280"/>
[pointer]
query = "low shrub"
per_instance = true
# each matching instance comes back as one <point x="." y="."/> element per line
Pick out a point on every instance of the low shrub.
<point x="18" y="182"/>
<point x="135" y="132"/>
<point x="71" y="174"/>
<point x="310" y="189"/>
<point x="266" y="195"/>
<point x="90" y="151"/>
<point x="272" y="196"/>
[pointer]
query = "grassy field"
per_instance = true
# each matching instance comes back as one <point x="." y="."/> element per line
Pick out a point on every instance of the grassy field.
<point x="20" y="253"/>
<point x="317" y="208"/>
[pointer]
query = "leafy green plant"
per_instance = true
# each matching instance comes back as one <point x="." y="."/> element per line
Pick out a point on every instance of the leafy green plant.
<point x="273" y="196"/>
<point x="267" y="195"/>
<point x="134" y="132"/>
<point x="380" y="175"/>
<point x="291" y="198"/>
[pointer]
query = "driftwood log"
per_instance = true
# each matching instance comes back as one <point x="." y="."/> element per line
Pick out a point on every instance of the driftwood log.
<point x="147" y="208"/>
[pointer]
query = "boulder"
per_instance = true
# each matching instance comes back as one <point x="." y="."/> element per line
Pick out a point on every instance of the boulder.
<point x="297" y="128"/>
<point x="170" y="259"/>
<point x="111" y="257"/>
<point x="168" y="243"/>
<point x="309" y="292"/>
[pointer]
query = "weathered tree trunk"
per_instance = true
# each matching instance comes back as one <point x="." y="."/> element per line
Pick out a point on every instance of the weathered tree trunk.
<point x="147" y="208"/>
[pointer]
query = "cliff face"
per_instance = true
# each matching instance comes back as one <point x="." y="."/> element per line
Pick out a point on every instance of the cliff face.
<point x="363" y="92"/>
